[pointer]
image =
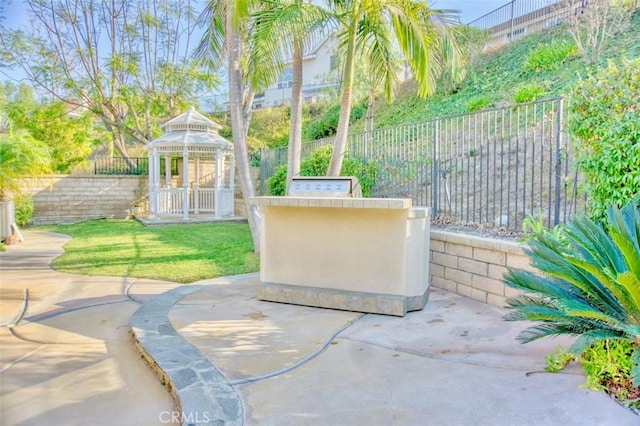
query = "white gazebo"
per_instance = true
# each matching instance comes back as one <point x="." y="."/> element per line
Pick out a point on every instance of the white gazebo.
<point x="204" y="185"/>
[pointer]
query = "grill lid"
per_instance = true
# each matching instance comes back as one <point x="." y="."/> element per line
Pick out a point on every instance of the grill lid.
<point x="324" y="186"/>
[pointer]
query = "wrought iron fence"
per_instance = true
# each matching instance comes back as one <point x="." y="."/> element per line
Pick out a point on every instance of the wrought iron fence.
<point x="128" y="166"/>
<point x="523" y="17"/>
<point x="494" y="166"/>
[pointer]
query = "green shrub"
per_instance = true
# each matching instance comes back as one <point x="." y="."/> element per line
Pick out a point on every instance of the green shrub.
<point x="478" y="103"/>
<point x="317" y="164"/>
<point x="23" y="209"/>
<point x="608" y="365"/>
<point x="270" y="126"/>
<point x="558" y="359"/>
<point x="326" y="125"/>
<point x="606" y="122"/>
<point x="588" y="283"/>
<point x="528" y="92"/>
<point x="277" y="184"/>
<point x="548" y="56"/>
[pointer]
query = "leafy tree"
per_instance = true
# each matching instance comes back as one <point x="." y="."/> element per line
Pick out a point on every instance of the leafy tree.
<point x="22" y="156"/>
<point x="367" y="30"/>
<point x="70" y="135"/>
<point x="606" y="122"/>
<point x="590" y="282"/>
<point x="127" y="62"/>
<point x="595" y="23"/>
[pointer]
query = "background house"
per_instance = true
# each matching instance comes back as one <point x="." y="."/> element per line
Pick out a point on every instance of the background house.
<point x="319" y="61"/>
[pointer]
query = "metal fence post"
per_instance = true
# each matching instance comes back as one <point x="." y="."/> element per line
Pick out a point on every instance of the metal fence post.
<point x="558" y="166"/>
<point x="511" y="23"/>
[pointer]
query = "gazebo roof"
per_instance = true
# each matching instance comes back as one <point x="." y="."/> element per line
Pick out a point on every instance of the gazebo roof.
<point x="191" y="129"/>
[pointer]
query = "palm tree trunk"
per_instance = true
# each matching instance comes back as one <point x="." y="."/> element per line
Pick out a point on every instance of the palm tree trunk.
<point x="238" y="126"/>
<point x="340" y="143"/>
<point x="295" y="129"/>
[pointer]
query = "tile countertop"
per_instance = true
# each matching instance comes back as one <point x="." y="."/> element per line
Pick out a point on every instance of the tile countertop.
<point x="344" y="202"/>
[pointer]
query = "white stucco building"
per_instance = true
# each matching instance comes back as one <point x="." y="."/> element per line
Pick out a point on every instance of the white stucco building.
<point x="317" y="66"/>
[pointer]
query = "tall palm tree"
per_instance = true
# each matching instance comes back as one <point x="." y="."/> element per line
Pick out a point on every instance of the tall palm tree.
<point x="369" y="28"/>
<point x="224" y="42"/>
<point x="281" y="31"/>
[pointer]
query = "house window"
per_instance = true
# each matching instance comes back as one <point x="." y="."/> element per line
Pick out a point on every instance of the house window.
<point x="334" y="62"/>
<point x="285" y="79"/>
<point x="515" y="34"/>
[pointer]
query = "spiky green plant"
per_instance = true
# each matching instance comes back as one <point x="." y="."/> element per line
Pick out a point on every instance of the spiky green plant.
<point x="590" y="282"/>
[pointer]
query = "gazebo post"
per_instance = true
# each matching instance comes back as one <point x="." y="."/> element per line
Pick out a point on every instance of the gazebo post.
<point x="153" y="187"/>
<point x="156" y="182"/>
<point x="196" y="187"/>
<point x="217" y="185"/>
<point x="167" y="171"/>
<point x="232" y="171"/>
<point x="185" y="184"/>
<point x="150" y="174"/>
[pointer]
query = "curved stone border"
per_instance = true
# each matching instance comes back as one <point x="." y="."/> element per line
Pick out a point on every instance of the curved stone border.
<point x="202" y="394"/>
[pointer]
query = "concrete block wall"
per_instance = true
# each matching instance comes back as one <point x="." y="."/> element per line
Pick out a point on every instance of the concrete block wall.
<point x="73" y="198"/>
<point x="473" y="266"/>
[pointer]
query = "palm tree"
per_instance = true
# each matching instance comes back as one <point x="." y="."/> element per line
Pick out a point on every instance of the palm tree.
<point x="225" y="33"/>
<point x="255" y="33"/>
<point x="590" y="285"/>
<point x="369" y="28"/>
<point x="281" y="31"/>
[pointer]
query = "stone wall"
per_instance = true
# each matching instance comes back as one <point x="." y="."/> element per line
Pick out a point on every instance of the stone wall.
<point x="72" y="198"/>
<point x="473" y="266"/>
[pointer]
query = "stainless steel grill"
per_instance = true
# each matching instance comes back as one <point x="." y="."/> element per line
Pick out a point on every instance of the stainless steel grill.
<point x="323" y="186"/>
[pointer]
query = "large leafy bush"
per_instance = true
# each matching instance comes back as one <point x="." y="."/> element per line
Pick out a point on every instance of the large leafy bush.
<point x="317" y="163"/>
<point x="326" y="125"/>
<point x="606" y="121"/>
<point x="548" y="56"/>
<point x="590" y="282"/>
<point x="23" y="209"/>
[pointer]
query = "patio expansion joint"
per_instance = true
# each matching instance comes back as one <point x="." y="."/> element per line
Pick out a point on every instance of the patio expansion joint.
<point x="197" y="386"/>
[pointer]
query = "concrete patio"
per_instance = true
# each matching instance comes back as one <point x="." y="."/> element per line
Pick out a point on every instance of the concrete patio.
<point x="231" y="359"/>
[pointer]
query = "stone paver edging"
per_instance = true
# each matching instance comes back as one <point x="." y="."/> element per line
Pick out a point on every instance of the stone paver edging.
<point x="202" y="394"/>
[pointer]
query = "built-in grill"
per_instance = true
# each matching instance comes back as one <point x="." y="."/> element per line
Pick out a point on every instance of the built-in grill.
<point x="323" y="186"/>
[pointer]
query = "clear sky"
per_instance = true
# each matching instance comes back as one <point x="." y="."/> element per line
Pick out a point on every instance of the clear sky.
<point x="470" y="9"/>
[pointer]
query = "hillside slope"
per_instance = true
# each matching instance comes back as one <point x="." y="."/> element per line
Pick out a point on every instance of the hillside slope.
<point x="542" y="65"/>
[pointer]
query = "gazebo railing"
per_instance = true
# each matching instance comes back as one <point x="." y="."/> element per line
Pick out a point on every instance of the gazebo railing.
<point x="201" y="200"/>
<point x="204" y="201"/>
<point x="170" y="201"/>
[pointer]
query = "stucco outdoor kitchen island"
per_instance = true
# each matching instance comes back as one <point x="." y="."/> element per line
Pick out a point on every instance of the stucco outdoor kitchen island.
<point x="356" y="254"/>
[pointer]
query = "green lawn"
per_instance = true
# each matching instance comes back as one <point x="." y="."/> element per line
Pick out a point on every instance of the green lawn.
<point x="180" y="253"/>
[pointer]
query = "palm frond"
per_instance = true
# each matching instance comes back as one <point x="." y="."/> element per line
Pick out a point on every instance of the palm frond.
<point x="275" y="28"/>
<point x="624" y="229"/>
<point x="544" y="330"/>
<point x="635" y="365"/>
<point x="588" y="288"/>
<point x="550" y="286"/>
<point x="589" y="337"/>
<point x="210" y="49"/>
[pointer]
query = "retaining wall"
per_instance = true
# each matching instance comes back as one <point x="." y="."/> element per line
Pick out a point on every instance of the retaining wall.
<point x="473" y="266"/>
<point x="73" y="198"/>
